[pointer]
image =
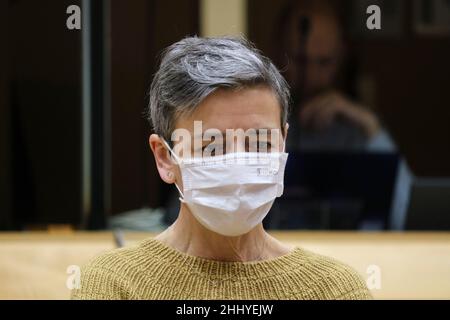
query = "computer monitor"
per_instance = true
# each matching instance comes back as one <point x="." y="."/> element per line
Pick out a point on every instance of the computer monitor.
<point x="336" y="190"/>
<point x="429" y="205"/>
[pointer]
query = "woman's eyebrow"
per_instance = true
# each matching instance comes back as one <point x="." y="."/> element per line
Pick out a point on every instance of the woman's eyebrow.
<point x="257" y="130"/>
<point x="265" y="132"/>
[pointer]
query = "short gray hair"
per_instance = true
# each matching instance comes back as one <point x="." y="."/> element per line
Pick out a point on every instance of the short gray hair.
<point x="195" y="67"/>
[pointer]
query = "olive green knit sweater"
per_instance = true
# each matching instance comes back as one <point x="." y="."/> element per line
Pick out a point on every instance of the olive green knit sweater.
<point x="152" y="270"/>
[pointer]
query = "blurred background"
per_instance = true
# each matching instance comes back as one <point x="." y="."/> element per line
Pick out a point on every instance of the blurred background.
<point x="73" y="135"/>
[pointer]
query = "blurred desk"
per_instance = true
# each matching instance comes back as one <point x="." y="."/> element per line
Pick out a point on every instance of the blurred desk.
<point x="33" y="265"/>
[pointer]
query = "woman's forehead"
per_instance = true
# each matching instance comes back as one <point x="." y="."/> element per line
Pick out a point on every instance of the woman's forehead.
<point x="249" y="108"/>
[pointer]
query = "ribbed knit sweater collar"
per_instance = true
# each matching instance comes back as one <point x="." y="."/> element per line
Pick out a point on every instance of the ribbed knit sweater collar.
<point x="224" y="270"/>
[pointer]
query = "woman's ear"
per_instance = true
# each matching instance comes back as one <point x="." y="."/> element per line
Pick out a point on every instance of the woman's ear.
<point x="164" y="162"/>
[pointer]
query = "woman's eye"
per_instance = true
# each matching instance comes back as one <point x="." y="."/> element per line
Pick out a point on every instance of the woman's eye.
<point x="264" y="146"/>
<point x="212" y="149"/>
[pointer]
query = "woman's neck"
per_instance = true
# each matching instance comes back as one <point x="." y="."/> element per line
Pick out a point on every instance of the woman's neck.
<point x="187" y="235"/>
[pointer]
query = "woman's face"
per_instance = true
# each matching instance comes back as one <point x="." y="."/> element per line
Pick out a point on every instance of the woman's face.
<point x="250" y="108"/>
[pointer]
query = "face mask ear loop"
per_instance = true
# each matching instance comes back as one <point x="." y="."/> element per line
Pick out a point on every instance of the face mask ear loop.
<point x="181" y="193"/>
<point x="178" y="161"/>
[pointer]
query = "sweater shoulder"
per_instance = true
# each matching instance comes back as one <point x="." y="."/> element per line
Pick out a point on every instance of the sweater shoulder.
<point x="107" y="276"/>
<point x="117" y="259"/>
<point x="330" y="278"/>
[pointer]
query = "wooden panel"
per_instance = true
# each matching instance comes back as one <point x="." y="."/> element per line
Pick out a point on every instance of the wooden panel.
<point x="140" y="30"/>
<point x="5" y="124"/>
<point x="45" y="100"/>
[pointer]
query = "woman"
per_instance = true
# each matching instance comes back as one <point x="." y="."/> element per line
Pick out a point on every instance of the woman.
<point x="217" y="248"/>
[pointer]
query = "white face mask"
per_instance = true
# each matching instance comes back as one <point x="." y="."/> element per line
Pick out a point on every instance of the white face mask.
<point x="232" y="193"/>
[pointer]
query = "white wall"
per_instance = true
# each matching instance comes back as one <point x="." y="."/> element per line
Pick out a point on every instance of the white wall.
<point x="223" y="17"/>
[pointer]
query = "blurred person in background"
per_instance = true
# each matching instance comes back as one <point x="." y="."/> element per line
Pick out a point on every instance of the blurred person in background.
<point x="324" y="117"/>
<point x="326" y="113"/>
